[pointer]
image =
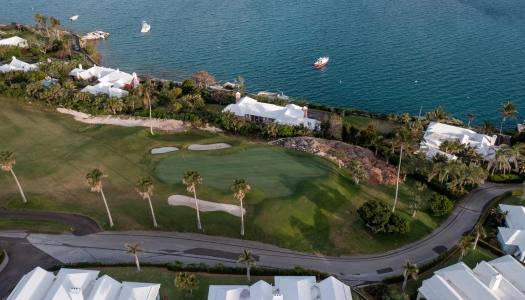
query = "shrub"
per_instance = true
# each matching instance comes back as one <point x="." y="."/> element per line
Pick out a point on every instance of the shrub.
<point x="440" y="204"/>
<point x="377" y="290"/>
<point x="2" y="255"/>
<point x="496" y="251"/>
<point x="506" y="178"/>
<point x="378" y="216"/>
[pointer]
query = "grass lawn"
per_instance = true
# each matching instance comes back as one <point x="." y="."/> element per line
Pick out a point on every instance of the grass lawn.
<point x="471" y="259"/>
<point x="298" y="201"/>
<point x="166" y="280"/>
<point x="34" y="226"/>
<point x="382" y="126"/>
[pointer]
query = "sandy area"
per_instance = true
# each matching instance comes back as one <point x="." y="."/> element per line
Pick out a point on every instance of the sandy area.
<point x="181" y="200"/>
<point x="163" y="150"/>
<point x="209" y="146"/>
<point x="211" y="129"/>
<point x="162" y="124"/>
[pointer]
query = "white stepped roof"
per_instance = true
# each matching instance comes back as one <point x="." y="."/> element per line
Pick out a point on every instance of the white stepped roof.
<point x="17" y="64"/>
<point x="516" y="216"/>
<point x="505" y="289"/>
<point x="295" y="288"/>
<point x="261" y="290"/>
<point x="6" y="68"/>
<point x="222" y="292"/>
<point x="33" y="285"/>
<point x="15" y="40"/>
<point x="70" y="278"/>
<point x="511" y="269"/>
<point x="437" y="288"/>
<point x="139" y="291"/>
<point x="511" y="236"/>
<point x="105" y="288"/>
<point x="332" y="288"/>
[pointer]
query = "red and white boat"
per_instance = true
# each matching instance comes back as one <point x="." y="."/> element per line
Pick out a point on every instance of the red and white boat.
<point x="321" y="62"/>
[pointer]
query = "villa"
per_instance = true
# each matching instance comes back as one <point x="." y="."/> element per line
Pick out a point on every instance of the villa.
<point x="14" y="41"/>
<point x="253" y="110"/>
<point x="18" y="65"/>
<point x="108" y="81"/>
<point x="72" y="284"/>
<point x="501" y="278"/>
<point x="512" y="236"/>
<point x="437" y="133"/>
<point x="286" y="288"/>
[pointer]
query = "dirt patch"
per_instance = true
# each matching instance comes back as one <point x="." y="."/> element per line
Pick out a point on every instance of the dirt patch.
<point x="209" y="146"/>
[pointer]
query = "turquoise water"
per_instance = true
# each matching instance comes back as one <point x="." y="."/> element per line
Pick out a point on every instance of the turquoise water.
<point x="385" y="55"/>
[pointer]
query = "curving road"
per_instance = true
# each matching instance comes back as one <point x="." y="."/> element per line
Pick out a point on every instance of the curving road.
<point x="164" y="247"/>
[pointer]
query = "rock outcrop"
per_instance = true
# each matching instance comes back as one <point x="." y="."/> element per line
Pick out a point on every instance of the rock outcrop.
<point x="379" y="171"/>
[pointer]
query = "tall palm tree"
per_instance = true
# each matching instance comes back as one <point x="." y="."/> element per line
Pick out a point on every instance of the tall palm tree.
<point x="441" y="170"/>
<point x="507" y="110"/>
<point x="404" y="138"/>
<point x="487" y="128"/>
<point x="339" y="155"/>
<point x="500" y="162"/>
<point x="145" y="189"/>
<point x="145" y="91"/>
<point x="463" y="244"/>
<point x="415" y="204"/>
<point x="522" y="196"/>
<point x="470" y="118"/>
<point x="247" y="259"/>
<point x="6" y="163"/>
<point x="240" y="189"/>
<point x="480" y="231"/>
<point x="135" y="250"/>
<point x="410" y="270"/>
<point x="94" y="181"/>
<point x="190" y="179"/>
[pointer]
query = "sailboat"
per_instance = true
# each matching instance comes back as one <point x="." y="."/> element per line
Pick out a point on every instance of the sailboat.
<point x="145" y="27"/>
<point x="73" y="17"/>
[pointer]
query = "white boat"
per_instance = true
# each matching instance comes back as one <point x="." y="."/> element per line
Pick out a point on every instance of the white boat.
<point x="73" y="17"/>
<point x="145" y="27"/>
<point x="321" y="62"/>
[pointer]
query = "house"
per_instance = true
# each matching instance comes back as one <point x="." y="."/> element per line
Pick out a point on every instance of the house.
<point x="108" y="81"/>
<point x="253" y="110"/>
<point x="14" y="41"/>
<point x="286" y="288"/>
<point x="501" y="278"/>
<point x="18" y="65"/>
<point x="437" y="133"/>
<point x="73" y="284"/>
<point x="512" y="236"/>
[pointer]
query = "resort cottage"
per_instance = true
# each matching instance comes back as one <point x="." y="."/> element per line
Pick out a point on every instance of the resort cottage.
<point x="501" y="278"/>
<point x="108" y="81"/>
<point x="253" y="110"/>
<point x="437" y="133"/>
<point x="17" y="65"/>
<point x="286" y="288"/>
<point x="14" y="41"/>
<point x="73" y="284"/>
<point x="512" y="236"/>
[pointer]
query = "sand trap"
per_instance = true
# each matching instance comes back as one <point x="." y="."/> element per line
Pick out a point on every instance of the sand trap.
<point x="209" y="146"/>
<point x="211" y="129"/>
<point x="163" y="150"/>
<point x="180" y="200"/>
<point x="162" y="124"/>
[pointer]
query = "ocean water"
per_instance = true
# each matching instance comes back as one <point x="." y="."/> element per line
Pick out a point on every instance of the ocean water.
<point x="385" y="55"/>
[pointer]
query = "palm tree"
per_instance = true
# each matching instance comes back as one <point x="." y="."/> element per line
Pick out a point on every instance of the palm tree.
<point x="6" y="163"/>
<point x="247" y="259"/>
<point x="420" y="187"/>
<point x="240" y="189"/>
<point x="410" y="270"/>
<point x="470" y="118"/>
<point x="480" y="231"/>
<point x="500" y="162"/>
<point x="145" y="91"/>
<point x="135" y="250"/>
<point x="145" y="189"/>
<point x="358" y="171"/>
<point x="187" y="283"/>
<point x="339" y="155"/>
<point x="507" y="110"/>
<point x="190" y="179"/>
<point x="93" y="180"/>
<point x="441" y="170"/>
<point x="487" y="128"/>
<point x="415" y="204"/>
<point x="522" y="196"/>
<point x="463" y="244"/>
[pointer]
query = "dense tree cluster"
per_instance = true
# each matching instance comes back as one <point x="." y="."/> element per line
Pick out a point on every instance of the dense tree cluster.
<point x="379" y="217"/>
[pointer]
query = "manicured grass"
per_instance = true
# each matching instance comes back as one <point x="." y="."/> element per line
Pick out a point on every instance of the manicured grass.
<point x="34" y="226"/>
<point x="382" y="126"/>
<point x="166" y="280"/>
<point x="298" y="201"/>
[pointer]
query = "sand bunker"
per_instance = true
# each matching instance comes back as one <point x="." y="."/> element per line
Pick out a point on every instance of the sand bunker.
<point x="162" y="124"/>
<point x="163" y="150"/>
<point x="180" y="200"/>
<point x="209" y="146"/>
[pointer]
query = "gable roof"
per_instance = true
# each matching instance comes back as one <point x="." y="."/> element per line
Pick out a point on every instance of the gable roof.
<point x="139" y="291"/>
<point x="15" y="40"/>
<point x="32" y="285"/>
<point x="516" y="216"/>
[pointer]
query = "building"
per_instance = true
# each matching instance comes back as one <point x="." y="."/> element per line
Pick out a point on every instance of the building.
<point x="437" y="133"/>
<point x="73" y="284"/>
<point x="501" y="278"/>
<point x="512" y="236"/>
<point x="14" y="41"/>
<point x="253" y="110"/>
<point x="18" y="65"/>
<point x="286" y="288"/>
<point x="108" y="81"/>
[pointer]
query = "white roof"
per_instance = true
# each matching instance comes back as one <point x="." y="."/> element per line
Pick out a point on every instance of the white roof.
<point x="225" y="292"/>
<point x="33" y="285"/>
<point x="511" y="270"/>
<point x="6" y="68"/>
<point x="516" y="216"/>
<point x="18" y="65"/>
<point x="332" y="288"/>
<point x="437" y="288"/>
<point x="15" y="40"/>
<point x="261" y="290"/>
<point x="105" y="288"/>
<point x="505" y="289"/>
<point x="465" y="283"/>
<point x="511" y="236"/>
<point x="71" y="278"/>
<point x="139" y="291"/>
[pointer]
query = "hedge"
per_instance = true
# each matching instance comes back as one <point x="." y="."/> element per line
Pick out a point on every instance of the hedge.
<point x="496" y="251"/>
<point x="506" y="178"/>
<point x="202" y="267"/>
<point x="434" y="184"/>
<point x="493" y="203"/>
<point x="2" y="255"/>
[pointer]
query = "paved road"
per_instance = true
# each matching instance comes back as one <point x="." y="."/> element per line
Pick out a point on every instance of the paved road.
<point x="76" y="41"/>
<point x="164" y="247"/>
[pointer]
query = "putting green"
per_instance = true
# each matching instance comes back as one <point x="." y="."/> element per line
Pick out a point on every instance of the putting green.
<point x="275" y="171"/>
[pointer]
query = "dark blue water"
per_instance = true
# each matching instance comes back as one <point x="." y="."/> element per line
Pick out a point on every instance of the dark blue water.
<point x="385" y="55"/>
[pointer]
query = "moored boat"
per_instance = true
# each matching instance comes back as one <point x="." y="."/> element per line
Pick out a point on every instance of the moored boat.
<point x="73" y="17"/>
<point x="321" y="62"/>
<point x="145" y="27"/>
<point x="96" y="35"/>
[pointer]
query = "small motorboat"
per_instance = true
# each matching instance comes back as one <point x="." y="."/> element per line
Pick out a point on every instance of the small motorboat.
<point x="321" y="62"/>
<point x="73" y="17"/>
<point x="145" y="27"/>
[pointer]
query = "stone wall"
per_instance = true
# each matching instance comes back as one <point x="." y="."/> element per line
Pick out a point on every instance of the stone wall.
<point x="379" y="171"/>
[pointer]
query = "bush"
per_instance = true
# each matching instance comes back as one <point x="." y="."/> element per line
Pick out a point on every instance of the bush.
<point x="506" y="178"/>
<point x="2" y="255"/>
<point x="492" y="239"/>
<point x="440" y="204"/>
<point x="377" y="290"/>
<point x="378" y="216"/>
<point x="493" y="203"/>
<point x="496" y="251"/>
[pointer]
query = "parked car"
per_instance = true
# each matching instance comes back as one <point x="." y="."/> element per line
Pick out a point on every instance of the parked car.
<point x="76" y="48"/>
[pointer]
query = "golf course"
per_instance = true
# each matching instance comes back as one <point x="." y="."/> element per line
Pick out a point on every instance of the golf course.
<point x="297" y="200"/>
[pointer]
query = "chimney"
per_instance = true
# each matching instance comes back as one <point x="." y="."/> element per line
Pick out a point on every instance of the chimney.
<point x="237" y="97"/>
<point x="495" y="280"/>
<point x="80" y="66"/>
<point x="118" y="71"/>
<point x="76" y="294"/>
<point x="305" y="109"/>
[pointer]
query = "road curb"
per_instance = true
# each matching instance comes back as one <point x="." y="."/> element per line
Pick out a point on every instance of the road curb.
<point x="4" y="263"/>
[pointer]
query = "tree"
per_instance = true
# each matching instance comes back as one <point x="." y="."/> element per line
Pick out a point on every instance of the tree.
<point x="414" y="204"/>
<point x="500" y="161"/>
<point x="410" y="270"/>
<point x="6" y="163"/>
<point x="507" y="110"/>
<point x="55" y="25"/>
<point x="440" y="169"/>
<point x="470" y="118"/>
<point x="247" y="259"/>
<point x="94" y="181"/>
<point x="270" y="129"/>
<point x="114" y="105"/>
<point x="240" y="85"/>
<point x="464" y="244"/>
<point x="397" y="224"/>
<point x="367" y="136"/>
<point x="438" y="115"/>
<point x="145" y="91"/>
<point x="358" y="171"/>
<point x="190" y="179"/>
<point x="186" y="283"/>
<point x="487" y="128"/>
<point x="377" y="215"/>
<point x="440" y="204"/>
<point x="135" y="250"/>
<point x="240" y="189"/>
<point x="480" y="231"/>
<point x="145" y="189"/>
<point x="336" y="125"/>
<point x="403" y="138"/>
<point x="420" y="187"/>
<point x="339" y="155"/>
<point x="202" y="79"/>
